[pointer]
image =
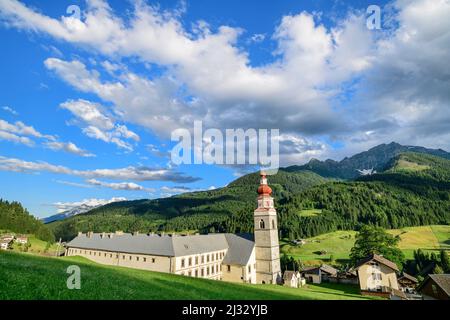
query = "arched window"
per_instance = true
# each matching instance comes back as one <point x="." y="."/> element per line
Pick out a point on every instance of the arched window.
<point x="261" y="224"/>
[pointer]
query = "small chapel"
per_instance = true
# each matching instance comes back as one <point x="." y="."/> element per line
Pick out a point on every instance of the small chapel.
<point x="249" y="258"/>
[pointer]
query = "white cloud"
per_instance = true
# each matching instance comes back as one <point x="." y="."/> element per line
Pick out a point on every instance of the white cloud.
<point x="97" y="125"/>
<point x="401" y="74"/>
<point x="93" y="203"/>
<point x="128" y="173"/>
<point x="68" y="147"/>
<point x="20" y="133"/>
<point x="10" y="110"/>
<point x="8" y="136"/>
<point x="89" y="113"/>
<point x="129" y="186"/>
<point x="258" y="37"/>
<point x="22" y="129"/>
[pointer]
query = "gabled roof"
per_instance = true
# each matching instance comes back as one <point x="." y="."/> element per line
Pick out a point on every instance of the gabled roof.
<point x="409" y="277"/>
<point x="328" y="269"/>
<point x="379" y="259"/>
<point x="442" y="280"/>
<point x="239" y="247"/>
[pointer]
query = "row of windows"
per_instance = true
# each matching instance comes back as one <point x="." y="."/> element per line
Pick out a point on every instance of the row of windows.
<point x="99" y="254"/>
<point x="208" y="271"/>
<point x="201" y="259"/>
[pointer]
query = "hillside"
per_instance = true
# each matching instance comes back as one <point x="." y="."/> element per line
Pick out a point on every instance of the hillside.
<point x="411" y="189"/>
<point x="376" y="158"/>
<point x="397" y="198"/>
<point x="207" y="211"/>
<point x="47" y="280"/>
<point x="15" y="218"/>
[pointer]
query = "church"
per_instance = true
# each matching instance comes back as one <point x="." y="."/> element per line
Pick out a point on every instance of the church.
<point x="223" y="256"/>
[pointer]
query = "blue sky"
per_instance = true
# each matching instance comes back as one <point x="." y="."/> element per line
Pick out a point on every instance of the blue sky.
<point x="87" y="106"/>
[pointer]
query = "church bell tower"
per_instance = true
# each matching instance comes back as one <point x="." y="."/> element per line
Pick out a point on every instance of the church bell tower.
<point x="266" y="236"/>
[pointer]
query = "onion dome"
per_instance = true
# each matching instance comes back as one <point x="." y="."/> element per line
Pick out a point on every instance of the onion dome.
<point x="264" y="189"/>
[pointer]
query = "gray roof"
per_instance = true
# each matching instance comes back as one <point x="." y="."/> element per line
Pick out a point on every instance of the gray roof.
<point x="239" y="248"/>
<point x="328" y="269"/>
<point x="442" y="280"/>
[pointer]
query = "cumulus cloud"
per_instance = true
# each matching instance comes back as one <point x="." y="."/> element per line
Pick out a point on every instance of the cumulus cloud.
<point x="97" y="125"/>
<point x="338" y="82"/>
<point x="128" y="173"/>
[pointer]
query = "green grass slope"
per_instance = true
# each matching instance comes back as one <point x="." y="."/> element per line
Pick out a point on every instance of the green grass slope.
<point x="25" y="277"/>
<point x="338" y="244"/>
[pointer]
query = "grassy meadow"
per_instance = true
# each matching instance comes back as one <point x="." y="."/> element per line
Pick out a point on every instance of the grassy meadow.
<point x="26" y="276"/>
<point x="337" y="245"/>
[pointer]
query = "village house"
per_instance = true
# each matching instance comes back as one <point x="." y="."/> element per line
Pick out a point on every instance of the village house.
<point x="292" y="279"/>
<point x="345" y="277"/>
<point x="320" y="274"/>
<point x="435" y="287"/>
<point x="22" y="239"/>
<point x="229" y="257"/>
<point x="7" y="237"/>
<point x="4" y="244"/>
<point x="407" y="283"/>
<point x="377" y="276"/>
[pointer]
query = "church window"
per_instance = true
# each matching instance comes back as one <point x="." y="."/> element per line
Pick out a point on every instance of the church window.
<point x="261" y="224"/>
<point x="207" y="258"/>
<point x="249" y="268"/>
<point x="190" y="262"/>
<point x="182" y="263"/>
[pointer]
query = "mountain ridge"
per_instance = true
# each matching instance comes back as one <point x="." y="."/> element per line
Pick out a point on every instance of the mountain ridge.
<point x="375" y="158"/>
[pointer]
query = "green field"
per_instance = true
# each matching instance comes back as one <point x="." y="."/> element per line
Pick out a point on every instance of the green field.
<point x="310" y="212"/>
<point x="36" y="246"/>
<point x="337" y="245"/>
<point x="26" y="276"/>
